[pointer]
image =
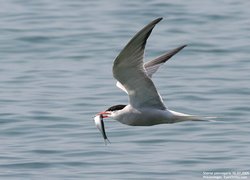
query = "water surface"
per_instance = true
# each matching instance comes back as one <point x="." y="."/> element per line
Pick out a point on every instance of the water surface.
<point x="56" y="73"/>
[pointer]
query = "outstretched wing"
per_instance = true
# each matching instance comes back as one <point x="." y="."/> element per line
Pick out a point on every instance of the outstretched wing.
<point x="129" y="70"/>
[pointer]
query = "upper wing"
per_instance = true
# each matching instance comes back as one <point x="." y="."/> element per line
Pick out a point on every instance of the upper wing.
<point x="152" y="66"/>
<point x="128" y="69"/>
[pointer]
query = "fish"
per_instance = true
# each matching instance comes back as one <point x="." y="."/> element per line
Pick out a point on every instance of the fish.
<point x="100" y="125"/>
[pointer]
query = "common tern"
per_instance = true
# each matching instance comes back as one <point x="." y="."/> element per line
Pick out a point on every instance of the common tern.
<point x="146" y="107"/>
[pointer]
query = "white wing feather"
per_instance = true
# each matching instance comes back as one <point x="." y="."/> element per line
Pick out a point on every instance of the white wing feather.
<point x="119" y="85"/>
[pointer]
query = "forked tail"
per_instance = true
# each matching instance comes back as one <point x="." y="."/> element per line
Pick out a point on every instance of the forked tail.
<point x="180" y="117"/>
<point x="197" y="118"/>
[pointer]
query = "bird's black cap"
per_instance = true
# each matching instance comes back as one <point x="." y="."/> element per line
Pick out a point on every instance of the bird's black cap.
<point x="116" y="107"/>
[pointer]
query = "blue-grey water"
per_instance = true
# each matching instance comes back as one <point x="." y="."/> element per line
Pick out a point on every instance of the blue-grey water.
<point x="56" y="74"/>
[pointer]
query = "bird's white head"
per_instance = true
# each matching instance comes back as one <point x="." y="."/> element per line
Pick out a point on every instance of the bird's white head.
<point x="112" y="112"/>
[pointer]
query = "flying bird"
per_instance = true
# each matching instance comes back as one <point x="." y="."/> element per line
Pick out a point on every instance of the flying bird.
<point x="146" y="107"/>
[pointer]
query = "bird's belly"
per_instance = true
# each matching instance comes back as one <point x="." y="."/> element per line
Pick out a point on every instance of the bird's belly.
<point x="146" y="117"/>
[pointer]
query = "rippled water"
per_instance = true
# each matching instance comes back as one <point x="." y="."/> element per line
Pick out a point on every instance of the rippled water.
<point x="56" y="60"/>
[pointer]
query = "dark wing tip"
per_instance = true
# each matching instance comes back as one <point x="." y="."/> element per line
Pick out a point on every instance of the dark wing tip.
<point x="181" y="47"/>
<point x="137" y="43"/>
<point x="153" y="23"/>
<point x="157" y="20"/>
<point x="163" y="58"/>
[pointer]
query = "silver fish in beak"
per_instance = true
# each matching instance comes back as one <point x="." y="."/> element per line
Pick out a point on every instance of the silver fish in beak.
<point x="100" y="125"/>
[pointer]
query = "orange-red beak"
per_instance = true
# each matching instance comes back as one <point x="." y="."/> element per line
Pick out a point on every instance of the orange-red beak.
<point x="104" y="114"/>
